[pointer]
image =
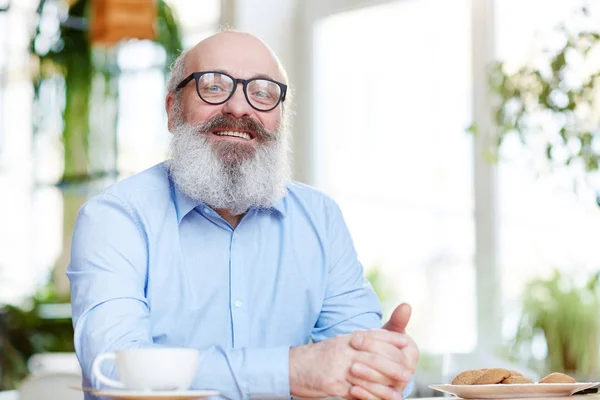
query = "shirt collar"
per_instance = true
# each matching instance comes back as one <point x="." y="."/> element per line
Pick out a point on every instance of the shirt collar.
<point x="184" y="204"/>
<point x="279" y="206"/>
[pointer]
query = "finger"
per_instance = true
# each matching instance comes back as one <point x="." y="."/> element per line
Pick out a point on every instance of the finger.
<point x="375" y="389"/>
<point x="397" y="339"/>
<point x="411" y="354"/>
<point x="374" y="345"/>
<point x="399" y="319"/>
<point x="366" y="373"/>
<point x="360" y="393"/>
<point x="408" y="355"/>
<point x="393" y="369"/>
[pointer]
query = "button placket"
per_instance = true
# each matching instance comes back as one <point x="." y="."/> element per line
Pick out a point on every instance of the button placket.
<point x="235" y="294"/>
<point x="238" y="292"/>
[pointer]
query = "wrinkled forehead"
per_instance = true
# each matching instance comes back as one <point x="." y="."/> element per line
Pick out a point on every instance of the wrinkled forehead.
<point x="241" y="56"/>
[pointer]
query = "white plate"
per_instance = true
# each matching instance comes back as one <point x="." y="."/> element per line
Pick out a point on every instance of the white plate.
<point x="163" y="395"/>
<point x="500" y="391"/>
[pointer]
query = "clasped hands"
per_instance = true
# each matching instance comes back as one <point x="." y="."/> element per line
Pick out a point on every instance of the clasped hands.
<point x="366" y="365"/>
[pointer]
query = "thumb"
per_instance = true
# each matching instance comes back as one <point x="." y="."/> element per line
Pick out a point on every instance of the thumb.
<point x="399" y="318"/>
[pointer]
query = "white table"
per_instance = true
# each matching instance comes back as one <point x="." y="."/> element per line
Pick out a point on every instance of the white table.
<point x="9" y="395"/>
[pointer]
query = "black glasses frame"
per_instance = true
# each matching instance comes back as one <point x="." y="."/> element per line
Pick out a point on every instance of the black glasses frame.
<point x="196" y="76"/>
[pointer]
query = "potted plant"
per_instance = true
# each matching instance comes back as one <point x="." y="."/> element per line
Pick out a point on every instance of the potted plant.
<point x="567" y="316"/>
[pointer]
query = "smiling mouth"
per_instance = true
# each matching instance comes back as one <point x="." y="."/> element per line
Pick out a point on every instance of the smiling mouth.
<point x="239" y="135"/>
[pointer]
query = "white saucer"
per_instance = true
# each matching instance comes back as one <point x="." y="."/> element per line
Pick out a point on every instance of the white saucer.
<point x="163" y="394"/>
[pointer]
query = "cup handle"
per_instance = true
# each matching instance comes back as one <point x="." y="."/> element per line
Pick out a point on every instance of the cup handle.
<point x="97" y="372"/>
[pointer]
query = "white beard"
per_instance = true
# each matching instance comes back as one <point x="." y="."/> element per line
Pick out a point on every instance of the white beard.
<point x="258" y="181"/>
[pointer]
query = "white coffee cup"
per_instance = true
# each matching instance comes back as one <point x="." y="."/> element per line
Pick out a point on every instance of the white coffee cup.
<point x="150" y="368"/>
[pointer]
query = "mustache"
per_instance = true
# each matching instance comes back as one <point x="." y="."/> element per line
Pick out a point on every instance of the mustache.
<point x="224" y="122"/>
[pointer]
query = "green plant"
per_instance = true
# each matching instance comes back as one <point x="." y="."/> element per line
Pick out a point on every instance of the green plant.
<point x="567" y="315"/>
<point x="76" y="70"/>
<point x="26" y="332"/>
<point x="552" y="103"/>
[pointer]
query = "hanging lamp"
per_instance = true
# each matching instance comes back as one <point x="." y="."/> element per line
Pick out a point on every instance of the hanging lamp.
<point x="114" y="20"/>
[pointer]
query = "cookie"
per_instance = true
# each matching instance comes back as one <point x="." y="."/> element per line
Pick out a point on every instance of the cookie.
<point x="492" y="376"/>
<point x="515" y="379"/>
<point x="467" y="377"/>
<point x="557" y="377"/>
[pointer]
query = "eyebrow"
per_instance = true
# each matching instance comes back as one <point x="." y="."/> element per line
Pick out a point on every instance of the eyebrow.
<point x="254" y="76"/>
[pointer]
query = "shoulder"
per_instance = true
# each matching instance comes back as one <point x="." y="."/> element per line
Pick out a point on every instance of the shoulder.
<point x="147" y="191"/>
<point x="153" y="181"/>
<point x="302" y="193"/>
<point x="312" y="204"/>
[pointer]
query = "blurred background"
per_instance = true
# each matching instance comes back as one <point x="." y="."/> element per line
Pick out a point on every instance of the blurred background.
<point x="461" y="139"/>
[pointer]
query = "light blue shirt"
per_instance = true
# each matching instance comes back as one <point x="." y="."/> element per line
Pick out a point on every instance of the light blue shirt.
<point x="150" y="266"/>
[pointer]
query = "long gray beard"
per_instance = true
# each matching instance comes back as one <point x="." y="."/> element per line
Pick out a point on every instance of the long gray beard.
<point x="259" y="181"/>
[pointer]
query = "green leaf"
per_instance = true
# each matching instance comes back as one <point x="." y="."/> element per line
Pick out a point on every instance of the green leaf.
<point x="473" y="129"/>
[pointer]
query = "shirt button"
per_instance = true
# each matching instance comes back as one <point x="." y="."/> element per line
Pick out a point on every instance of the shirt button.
<point x="238" y="303"/>
<point x="207" y="210"/>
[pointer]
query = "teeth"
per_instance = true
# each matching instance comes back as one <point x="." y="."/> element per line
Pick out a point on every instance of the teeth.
<point x="234" y="134"/>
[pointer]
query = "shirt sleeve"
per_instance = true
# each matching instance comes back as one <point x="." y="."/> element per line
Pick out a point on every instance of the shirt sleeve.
<point x="109" y="258"/>
<point x="350" y="303"/>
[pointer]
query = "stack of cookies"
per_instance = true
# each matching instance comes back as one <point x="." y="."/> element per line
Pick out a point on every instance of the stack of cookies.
<point x="491" y="376"/>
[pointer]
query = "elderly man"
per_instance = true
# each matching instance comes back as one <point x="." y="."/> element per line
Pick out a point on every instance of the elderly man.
<point x="217" y="249"/>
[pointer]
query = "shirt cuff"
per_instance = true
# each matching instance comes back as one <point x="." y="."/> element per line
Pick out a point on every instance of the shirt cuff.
<point x="268" y="373"/>
<point x="408" y="389"/>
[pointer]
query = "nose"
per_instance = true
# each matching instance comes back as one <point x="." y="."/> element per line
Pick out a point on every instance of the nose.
<point x="237" y="106"/>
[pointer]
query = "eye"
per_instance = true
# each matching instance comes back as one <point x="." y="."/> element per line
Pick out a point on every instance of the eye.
<point x="261" y="94"/>
<point x="214" y="88"/>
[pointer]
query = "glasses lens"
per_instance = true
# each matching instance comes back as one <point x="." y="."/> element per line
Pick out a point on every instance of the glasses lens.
<point x="263" y="94"/>
<point x="214" y="87"/>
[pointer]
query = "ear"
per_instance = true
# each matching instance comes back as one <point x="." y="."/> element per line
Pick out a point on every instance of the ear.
<point x="169" y="103"/>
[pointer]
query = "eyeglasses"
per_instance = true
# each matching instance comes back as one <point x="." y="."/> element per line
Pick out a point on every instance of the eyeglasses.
<point x="215" y="88"/>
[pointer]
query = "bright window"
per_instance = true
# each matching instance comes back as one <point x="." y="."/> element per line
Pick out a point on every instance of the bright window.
<point x="392" y="101"/>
